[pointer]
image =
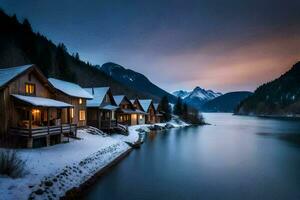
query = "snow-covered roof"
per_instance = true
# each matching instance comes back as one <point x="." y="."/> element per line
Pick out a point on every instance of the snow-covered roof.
<point x="145" y="103"/>
<point x="7" y="74"/>
<point x="98" y="94"/>
<point x="129" y="111"/>
<point x="42" y="102"/>
<point x="118" y="99"/>
<point x="109" y="107"/>
<point x="132" y="101"/>
<point x="70" y="89"/>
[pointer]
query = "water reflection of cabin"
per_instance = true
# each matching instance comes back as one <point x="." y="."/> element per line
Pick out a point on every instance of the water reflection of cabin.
<point x="29" y="110"/>
<point x="101" y="109"/>
<point x="126" y="113"/>
<point x="75" y="95"/>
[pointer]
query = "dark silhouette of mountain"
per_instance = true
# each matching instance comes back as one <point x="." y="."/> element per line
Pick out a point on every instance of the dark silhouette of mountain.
<point x="135" y="80"/>
<point x="226" y="102"/>
<point x="280" y="97"/>
<point x="197" y="97"/>
<point x="19" y="45"/>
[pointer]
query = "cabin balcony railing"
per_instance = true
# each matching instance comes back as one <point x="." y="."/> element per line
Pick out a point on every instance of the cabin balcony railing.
<point x="45" y="130"/>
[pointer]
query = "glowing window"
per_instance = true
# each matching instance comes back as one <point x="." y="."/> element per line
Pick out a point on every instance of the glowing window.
<point x="80" y="101"/>
<point x="82" y="115"/>
<point x="29" y="89"/>
<point x="72" y="113"/>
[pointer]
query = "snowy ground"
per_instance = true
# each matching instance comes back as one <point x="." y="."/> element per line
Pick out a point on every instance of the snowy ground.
<point x="52" y="171"/>
<point x="64" y="165"/>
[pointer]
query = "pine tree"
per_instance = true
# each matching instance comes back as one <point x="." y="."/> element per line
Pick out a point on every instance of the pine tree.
<point x="178" y="107"/>
<point x="27" y="26"/>
<point x="185" y="111"/>
<point x="63" y="65"/>
<point x="165" y="108"/>
<point x="77" y="56"/>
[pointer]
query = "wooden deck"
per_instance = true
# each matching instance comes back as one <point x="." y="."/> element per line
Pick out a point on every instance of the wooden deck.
<point x="43" y="131"/>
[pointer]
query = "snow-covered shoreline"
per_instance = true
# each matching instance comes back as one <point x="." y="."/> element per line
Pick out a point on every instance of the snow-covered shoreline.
<point x="54" y="170"/>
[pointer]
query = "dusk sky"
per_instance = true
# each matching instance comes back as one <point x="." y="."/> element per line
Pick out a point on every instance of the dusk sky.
<point x="219" y="45"/>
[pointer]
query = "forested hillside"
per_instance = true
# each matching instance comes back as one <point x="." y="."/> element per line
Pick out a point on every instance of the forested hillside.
<point x="19" y="45"/>
<point x="278" y="97"/>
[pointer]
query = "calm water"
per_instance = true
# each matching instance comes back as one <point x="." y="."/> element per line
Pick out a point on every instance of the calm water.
<point x="235" y="158"/>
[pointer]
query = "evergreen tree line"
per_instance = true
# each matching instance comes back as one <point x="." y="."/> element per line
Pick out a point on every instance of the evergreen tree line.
<point x="53" y="60"/>
<point x="182" y="110"/>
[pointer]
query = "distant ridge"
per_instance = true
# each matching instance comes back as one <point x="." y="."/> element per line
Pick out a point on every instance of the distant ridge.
<point x="134" y="80"/>
<point x="226" y="102"/>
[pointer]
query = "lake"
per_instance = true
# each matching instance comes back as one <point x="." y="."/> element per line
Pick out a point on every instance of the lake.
<point x="237" y="157"/>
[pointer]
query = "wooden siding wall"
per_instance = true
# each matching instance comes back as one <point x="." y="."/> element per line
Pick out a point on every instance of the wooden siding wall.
<point x="9" y="116"/>
<point x="151" y="116"/>
<point x="77" y="107"/>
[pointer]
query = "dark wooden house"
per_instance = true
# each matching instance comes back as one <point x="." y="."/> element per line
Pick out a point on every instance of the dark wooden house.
<point x="101" y="110"/>
<point x="75" y="95"/>
<point x="126" y="113"/>
<point x="138" y="107"/>
<point x="148" y="107"/>
<point x="29" y="111"/>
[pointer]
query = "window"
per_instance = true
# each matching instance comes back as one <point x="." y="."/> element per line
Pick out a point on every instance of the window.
<point x="30" y="89"/>
<point x="80" y="101"/>
<point x="72" y="113"/>
<point x="82" y="115"/>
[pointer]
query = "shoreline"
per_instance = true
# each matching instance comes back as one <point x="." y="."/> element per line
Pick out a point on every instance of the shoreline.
<point x="81" y="190"/>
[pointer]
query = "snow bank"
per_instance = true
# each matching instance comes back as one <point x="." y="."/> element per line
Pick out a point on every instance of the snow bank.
<point x="64" y="165"/>
<point x="136" y="131"/>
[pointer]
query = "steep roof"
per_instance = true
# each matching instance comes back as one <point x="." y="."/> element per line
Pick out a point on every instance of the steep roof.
<point x="7" y="74"/>
<point x="119" y="99"/>
<point x="156" y="106"/>
<point x="98" y="93"/>
<point x="145" y="103"/>
<point x="41" y="101"/>
<point x="70" y="89"/>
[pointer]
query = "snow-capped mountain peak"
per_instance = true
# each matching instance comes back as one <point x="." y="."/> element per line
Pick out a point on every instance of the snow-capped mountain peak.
<point x="181" y="93"/>
<point x="196" y="97"/>
<point x="203" y="94"/>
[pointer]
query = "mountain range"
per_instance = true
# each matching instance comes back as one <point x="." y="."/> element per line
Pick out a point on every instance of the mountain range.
<point x="197" y="97"/>
<point x="280" y="97"/>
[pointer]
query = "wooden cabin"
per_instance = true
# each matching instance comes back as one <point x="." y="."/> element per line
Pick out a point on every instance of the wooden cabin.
<point x="75" y="95"/>
<point x="148" y="107"/>
<point x="101" y="109"/>
<point x="126" y="113"/>
<point x="138" y="107"/>
<point x="29" y="111"/>
<point x="158" y="115"/>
